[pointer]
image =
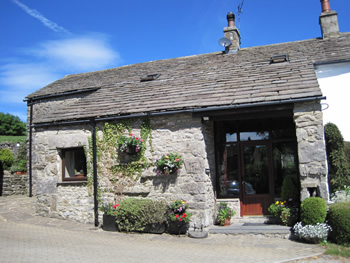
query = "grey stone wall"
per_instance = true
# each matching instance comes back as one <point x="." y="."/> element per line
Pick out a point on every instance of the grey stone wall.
<point x="311" y="150"/>
<point x="53" y="197"/>
<point x="14" y="184"/>
<point x="182" y="134"/>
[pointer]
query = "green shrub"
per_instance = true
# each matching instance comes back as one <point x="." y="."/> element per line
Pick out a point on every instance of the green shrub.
<point x="290" y="191"/>
<point x="6" y="158"/>
<point x="135" y="214"/>
<point x="339" y="220"/>
<point x="338" y="164"/>
<point x="289" y="215"/>
<point x="313" y="210"/>
<point x="20" y="162"/>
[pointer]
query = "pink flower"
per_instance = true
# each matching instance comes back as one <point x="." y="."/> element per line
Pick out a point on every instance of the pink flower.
<point x="176" y="160"/>
<point x="141" y="140"/>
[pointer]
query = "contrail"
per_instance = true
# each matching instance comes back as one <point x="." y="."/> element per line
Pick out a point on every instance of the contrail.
<point x="34" y="13"/>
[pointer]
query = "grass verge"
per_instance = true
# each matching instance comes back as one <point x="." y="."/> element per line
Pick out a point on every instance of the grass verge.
<point x="12" y="139"/>
<point x="337" y="250"/>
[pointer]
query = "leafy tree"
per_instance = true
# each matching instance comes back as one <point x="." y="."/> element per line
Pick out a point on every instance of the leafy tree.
<point x="338" y="164"/>
<point x="11" y="125"/>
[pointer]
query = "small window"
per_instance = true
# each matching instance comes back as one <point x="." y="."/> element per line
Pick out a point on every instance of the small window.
<point x="73" y="164"/>
<point x="150" y="77"/>
<point x="279" y="59"/>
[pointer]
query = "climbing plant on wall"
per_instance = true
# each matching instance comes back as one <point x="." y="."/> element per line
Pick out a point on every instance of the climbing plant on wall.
<point x="116" y="169"/>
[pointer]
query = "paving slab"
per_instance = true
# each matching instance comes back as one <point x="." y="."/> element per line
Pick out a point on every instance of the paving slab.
<point x="26" y="237"/>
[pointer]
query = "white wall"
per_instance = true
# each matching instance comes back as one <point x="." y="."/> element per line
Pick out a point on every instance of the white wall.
<point x="334" y="80"/>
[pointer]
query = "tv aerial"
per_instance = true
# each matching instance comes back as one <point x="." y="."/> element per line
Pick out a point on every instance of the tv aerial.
<point x="239" y="11"/>
<point x="225" y="42"/>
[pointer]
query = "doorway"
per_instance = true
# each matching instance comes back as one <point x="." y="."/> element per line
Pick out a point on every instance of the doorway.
<point x="251" y="161"/>
<point x="256" y="178"/>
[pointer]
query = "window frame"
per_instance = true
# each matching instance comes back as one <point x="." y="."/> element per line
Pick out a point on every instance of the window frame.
<point x="63" y="164"/>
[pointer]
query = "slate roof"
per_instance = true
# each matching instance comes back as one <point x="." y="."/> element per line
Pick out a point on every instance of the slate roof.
<point x="199" y="81"/>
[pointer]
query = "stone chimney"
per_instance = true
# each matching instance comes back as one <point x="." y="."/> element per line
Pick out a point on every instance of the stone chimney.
<point x="232" y="33"/>
<point x="328" y="21"/>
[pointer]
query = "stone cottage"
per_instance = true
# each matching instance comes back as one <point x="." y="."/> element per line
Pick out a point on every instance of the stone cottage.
<point x="242" y="119"/>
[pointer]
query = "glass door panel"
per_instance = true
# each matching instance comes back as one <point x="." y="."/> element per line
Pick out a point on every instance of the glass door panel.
<point x="256" y="169"/>
<point x="228" y="170"/>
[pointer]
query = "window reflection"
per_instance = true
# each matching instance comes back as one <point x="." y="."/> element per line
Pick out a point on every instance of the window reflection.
<point x="254" y="136"/>
<point x="285" y="163"/>
<point x="231" y="137"/>
<point x="256" y="171"/>
<point x="228" y="171"/>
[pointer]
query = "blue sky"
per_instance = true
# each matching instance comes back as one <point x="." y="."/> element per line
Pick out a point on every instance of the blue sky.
<point x="43" y="41"/>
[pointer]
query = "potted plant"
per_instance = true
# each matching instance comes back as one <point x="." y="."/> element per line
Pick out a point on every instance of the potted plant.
<point x="224" y="215"/>
<point x="131" y="144"/>
<point x="275" y="209"/>
<point x="169" y="164"/>
<point x="178" y="218"/>
<point x="109" y="217"/>
<point x="20" y="167"/>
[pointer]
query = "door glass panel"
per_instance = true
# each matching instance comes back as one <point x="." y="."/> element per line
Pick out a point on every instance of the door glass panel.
<point x="256" y="175"/>
<point x="285" y="163"/>
<point x="228" y="171"/>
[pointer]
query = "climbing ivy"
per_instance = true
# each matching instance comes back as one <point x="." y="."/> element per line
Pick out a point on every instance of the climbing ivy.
<point x="118" y="170"/>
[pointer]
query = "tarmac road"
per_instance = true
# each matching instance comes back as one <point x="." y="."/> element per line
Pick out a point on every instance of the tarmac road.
<point x="25" y="237"/>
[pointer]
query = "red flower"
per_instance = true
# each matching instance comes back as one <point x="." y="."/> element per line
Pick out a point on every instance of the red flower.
<point x="184" y="215"/>
<point x="115" y="205"/>
<point x="137" y="138"/>
<point x="131" y="134"/>
<point x="180" y="219"/>
<point x="177" y="216"/>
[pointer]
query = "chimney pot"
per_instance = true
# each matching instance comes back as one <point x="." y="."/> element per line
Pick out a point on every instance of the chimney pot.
<point x="325" y="6"/>
<point x="231" y="32"/>
<point x="231" y="19"/>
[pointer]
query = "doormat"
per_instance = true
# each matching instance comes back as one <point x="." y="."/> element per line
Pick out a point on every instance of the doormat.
<point x="254" y="224"/>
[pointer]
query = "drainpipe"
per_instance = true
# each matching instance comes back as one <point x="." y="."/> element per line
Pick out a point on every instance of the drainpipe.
<point x="30" y="149"/>
<point x="94" y="164"/>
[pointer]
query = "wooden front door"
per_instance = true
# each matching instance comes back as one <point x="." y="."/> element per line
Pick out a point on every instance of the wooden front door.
<point x="256" y="178"/>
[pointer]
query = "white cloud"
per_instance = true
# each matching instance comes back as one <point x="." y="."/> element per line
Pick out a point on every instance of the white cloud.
<point x="36" y="14"/>
<point x="79" y="54"/>
<point x="50" y="61"/>
<point x="21" y="79"/>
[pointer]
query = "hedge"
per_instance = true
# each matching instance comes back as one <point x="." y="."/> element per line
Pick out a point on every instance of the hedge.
<point x="135" y="214"/>
<point x="339" y="220"/>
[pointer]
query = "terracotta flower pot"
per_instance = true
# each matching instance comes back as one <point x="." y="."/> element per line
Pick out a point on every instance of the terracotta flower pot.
<point x="227" y="222"/>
